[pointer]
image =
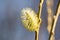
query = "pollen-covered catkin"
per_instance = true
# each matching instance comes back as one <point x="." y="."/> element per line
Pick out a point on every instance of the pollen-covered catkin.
<point x="30" y="19"/>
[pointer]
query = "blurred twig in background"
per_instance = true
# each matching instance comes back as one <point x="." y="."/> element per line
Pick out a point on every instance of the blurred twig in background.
<point x="49" y="4"/>
<point x="50" y="13"/>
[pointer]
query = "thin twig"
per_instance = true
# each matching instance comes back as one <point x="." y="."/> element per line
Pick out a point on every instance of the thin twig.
<point x="40" y="8"/>
<point x="36" y="35"/>
<point x="55" y="21"/>
<point x="56" y="18"/>
<point x="50" y="13"/>
<point x="39" y="15"/>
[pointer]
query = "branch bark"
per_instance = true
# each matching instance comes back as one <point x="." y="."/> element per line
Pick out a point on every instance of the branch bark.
<point x="51" y="37"/>
<point x="39" y="15"/>
<point x="40" y="8"/>
<point x="36" y="35"/>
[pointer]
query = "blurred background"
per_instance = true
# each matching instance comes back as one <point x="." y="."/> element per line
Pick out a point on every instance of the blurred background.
<point x="10" y="22"/>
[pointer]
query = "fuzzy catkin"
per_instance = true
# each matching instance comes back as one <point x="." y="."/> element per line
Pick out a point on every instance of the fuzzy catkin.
<point x="30" y="19"/>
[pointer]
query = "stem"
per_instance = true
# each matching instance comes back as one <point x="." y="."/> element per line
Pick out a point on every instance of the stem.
<point x="49" y="4"/>
<point x="55" y="21"/>
<point x="56" y="18"/>
<point x="39" y="15"/>
<point x="36" y="35"/>
<point x="40" y="8"/>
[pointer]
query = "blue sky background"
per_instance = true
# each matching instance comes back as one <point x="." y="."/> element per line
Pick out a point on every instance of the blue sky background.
<point x="10" y="24"/>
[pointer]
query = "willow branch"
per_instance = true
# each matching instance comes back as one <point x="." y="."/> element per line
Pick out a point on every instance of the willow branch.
<point x="36" y="35"/>
<point x="56" y="18"/>
<point x="39" y="15"/>
<point x="50" y="18"/>
<point x="50" y="14"/>
<point x="40" y="8"/>
<point x="55" y="21"/>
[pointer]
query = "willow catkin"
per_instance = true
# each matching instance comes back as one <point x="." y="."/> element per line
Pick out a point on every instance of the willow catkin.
<point x="30" y="19"/>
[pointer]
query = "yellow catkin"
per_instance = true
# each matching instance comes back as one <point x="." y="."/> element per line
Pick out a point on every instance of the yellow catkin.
<point x="30" y="19"/>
